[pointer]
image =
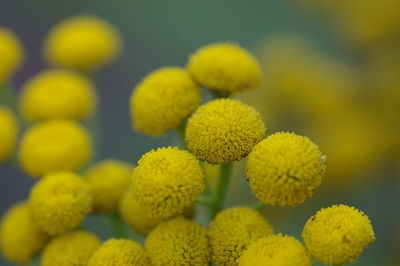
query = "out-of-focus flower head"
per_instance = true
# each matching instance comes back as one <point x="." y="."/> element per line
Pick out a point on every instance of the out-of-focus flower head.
<point x="11" y="54"/>
<point x="8" y="132"/>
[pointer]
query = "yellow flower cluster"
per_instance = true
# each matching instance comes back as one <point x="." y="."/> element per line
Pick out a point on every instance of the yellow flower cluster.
<point x="338" y="234"/>
<point x="11" y="54"/>
<point x="8" y="132"/>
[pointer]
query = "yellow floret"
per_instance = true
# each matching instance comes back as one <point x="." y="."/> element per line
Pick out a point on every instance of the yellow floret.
<point x="285" y="169"/>
<point x="178" y="242"/>
<point x="233" y="230"/>
<point x="20" y="238"/>
<point x="276" y="250"/>
<point x="11" y="54"/>
<point x="57" y="93"/>
<point x="54" y="145"/>
<point x="108" y="180"/>
<point x="224" y="130"/>
<point x="163" y="100"/>
<point x="225" y="67"/>
<point x="166" y="181"/>
<point x="138" y="218"/>
<point x="71" y="249"/>
<point x="82" y="42"/>
<point x="8" y="132"/>
<point x="59" y="202"/>
<point x="338" y="234"/>
<point x="121" y="252"/>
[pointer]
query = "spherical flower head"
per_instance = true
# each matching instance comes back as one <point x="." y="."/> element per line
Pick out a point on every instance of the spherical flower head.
<point x="285" y="169"/>
<point x="11" y="54"/>
<point x="82" y="42"/>
<point x="233" y="230"/>
<point x="57" y="93"/>
<point x="73" y="248"/>
<point x="8" y="132"/>
<point x="338" y="234"/>
<point x="54" y="145"/>
<point x="277" y="249"/>
<point x="59" y="202"/>
<point x="138" y="218"/>
<point x="224" y="130"/>
<point x="122" y="252"/>
<point x="163" y="100"/>
<point x="178" y="242"/>
<point x="166" y="181"/>
<point x="20" y="238"/>
<point x="108" y="180"/>
<point x="225" y="67"/>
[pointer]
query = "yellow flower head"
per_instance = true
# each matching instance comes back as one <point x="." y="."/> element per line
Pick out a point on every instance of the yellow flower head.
<point x="108" y="180"/>
<point x="166" y="181"/>
<point x="225" y="67"/>
<point x="59" y="202"/>
<point x="20" y="238"/>
<point x="163" y="100"/>
<point x="224" y="130"/>
<point x="121" y="252"/>
<point x="57" y="93"/>
<point x="277" y="249"/>
<point x="138" y="218"/>
<point x="11" y="54"/>
<point x="82" y="42"/>
<point x="178" y="242"/>
<point x="74" y="248"/>
<point x="285" y="169"/>
<point x="8" y="132"/>
<point x="233" y="230"/>
<point x="54" y="145"/>
<point x="338" y="234"/>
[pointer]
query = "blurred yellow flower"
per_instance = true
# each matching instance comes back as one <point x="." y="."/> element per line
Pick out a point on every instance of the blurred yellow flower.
<point x="178" y="242"/>
<point x="83" y="42"/>
<point x="233" y="230"/>
<point x="20" y="238"/>
<point x="70" y="249"/>
<point x="338" y="234"/>
<point x="225" y="67"/>
<point x="121" y="252"/>
<point x="57" y="93"/>
<point x="54" y="145"/>
<point x="166" y="181"/>
<point x="224" y="130"/>
<point x="163" y="100"/>
<point x="8" y="132"/>
<point x="11" y="55"/>
<point x="59" y="202"/>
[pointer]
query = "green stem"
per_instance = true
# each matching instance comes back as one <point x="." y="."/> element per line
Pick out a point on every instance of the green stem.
<point x="94" y="126"/>
<point x="204" y="200"/>
<point x="219" y="94"/>
<point x="7" y="97"/>
<point x="222" y="189"/>
<point x="259" y="206"/>
<point x="180" y="131"/>
<point x="119" y="226"/>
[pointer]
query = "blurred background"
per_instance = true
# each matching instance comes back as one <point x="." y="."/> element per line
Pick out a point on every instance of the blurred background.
<point x="331" y="72"/>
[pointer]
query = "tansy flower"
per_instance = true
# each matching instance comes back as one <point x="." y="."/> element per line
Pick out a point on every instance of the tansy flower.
<point x="121" y="252"/>
<point x="338" y="234"/>
<point x="138" y="218"/>
<point x="233" y="230"/>
<point x="59" y="202"/>
<point x="57" y="93"/>
<point x="166" y="181"/>
<point x="71" y="249"/>
<point x="224" y="130"/>
<point x="225" y="67"/>
<point x="54" y="145"/>
<point x="178" y="242"/>
<point x="8" y="132"/>
<point x="285" y="169"/>
<point x="11" y="54"/>
<point x="107" y="180"/>
<point x="277" y="249"/>
<point x="163" y="100"/>
<point x="20" y="238"/>
<point x="82" y="42"/>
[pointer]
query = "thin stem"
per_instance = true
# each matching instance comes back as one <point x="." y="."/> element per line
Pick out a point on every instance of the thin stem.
<point x="222" y="188"/>
<point x="119" y="226"/>
<point x="94" y="126"/>
<point x="180" y="131"/>
<point x="259" y="206"/>
<point x="204" y="200"/>
<point x="219" y="94"/>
